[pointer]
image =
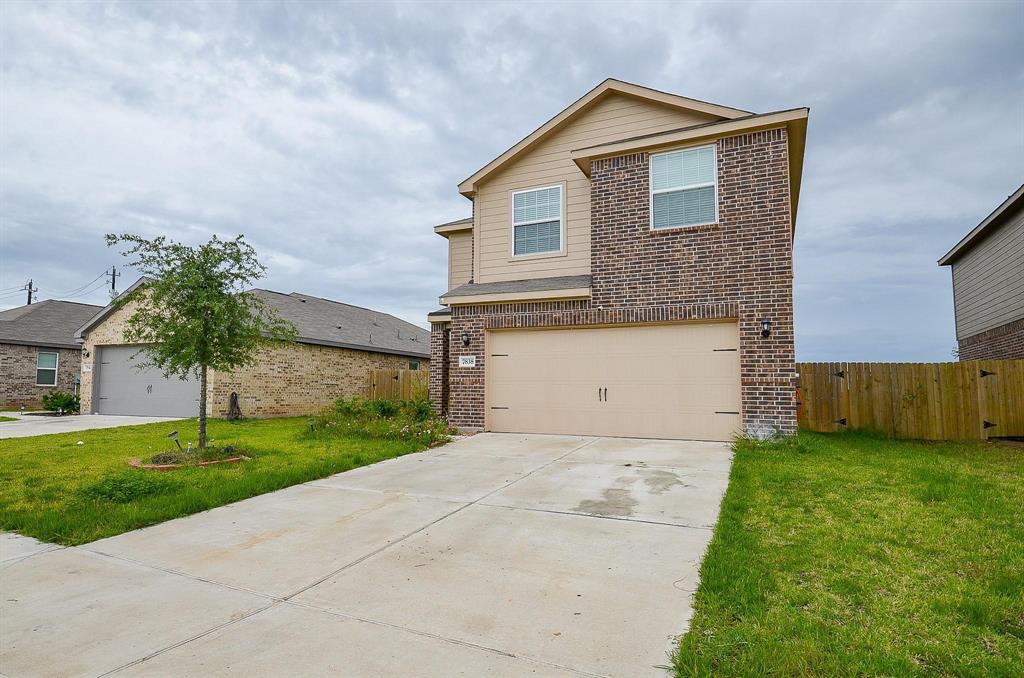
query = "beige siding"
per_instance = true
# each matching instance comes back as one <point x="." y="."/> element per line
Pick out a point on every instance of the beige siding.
<point x="460" y="258"/>
<point x="988" y="281"/>
<point x="613" y="118"/>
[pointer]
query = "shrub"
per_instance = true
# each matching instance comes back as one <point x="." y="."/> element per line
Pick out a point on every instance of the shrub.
<point x="61" y="400"/>
<point x="395" y="419"/>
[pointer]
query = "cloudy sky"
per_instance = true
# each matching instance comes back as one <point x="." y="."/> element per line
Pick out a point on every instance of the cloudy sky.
<point x="333" y="136"/>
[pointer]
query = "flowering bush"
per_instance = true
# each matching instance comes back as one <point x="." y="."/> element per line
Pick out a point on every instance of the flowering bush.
<point x="394" y="419"/>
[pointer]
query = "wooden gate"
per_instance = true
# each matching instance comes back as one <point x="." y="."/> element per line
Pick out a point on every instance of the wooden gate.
<point x="930" y="401"/>
<point x="396" y="384"/>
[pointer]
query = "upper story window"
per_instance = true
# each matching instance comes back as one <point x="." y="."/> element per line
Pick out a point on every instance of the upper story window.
<point x="684" y="188"/>
<point x="46" y="369"/>
<point x="537" y="221"/>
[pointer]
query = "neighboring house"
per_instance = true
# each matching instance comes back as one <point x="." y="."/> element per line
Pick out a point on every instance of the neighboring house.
<point x="337" y="344"/>
<point x="988" y="284"/>
<point x="571" y="309"/>
<point x="38" y="353"/>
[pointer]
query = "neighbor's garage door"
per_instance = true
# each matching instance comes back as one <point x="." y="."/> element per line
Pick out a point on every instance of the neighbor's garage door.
<point x="123" y="389"/>
<point x="661" y="381"/>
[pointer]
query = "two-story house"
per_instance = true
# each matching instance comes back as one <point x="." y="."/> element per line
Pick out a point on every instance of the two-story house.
<point x="627" y="271"/>
<point x="988" y="284"/>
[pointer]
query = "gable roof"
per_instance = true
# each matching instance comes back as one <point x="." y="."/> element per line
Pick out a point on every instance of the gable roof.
<point x="1014" y="202"/>
<point x="606" y="88"/>
<point x="50" y="323"/>
<point x="324" y="322"/>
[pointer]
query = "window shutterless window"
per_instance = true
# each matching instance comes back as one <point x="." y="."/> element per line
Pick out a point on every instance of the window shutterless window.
<point x="414" y="365"/>
<point x="537" y="221"/>
<point x="46" y="369"/>
<point x="684" y="188"/>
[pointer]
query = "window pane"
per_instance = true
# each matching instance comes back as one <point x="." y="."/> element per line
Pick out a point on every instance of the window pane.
<point x="683" y="208"/>
<point x="683" y="168"/>
<point x="545" y="203"/>
<point x="46" y="361"/>
<point x="414" y="366"/>
<point x="46" y="377"/>
<point x="536" y="238"/>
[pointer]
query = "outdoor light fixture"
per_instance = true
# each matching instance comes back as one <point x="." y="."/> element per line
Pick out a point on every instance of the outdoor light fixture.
<point x="173" y="435"/>
<point x="465" y="339"/>
<point x="766" y="327"/>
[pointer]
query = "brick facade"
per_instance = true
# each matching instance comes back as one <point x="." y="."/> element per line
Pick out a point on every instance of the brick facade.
<point x="1005" y="342"/>
<point x="288" y="380"/>
<point x="18" y="374"/>
<point x="739" y="269"/>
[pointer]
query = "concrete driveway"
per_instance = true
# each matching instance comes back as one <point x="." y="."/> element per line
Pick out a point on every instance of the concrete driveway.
<point x="497" y="555"/>
<point x="28" y="425"/>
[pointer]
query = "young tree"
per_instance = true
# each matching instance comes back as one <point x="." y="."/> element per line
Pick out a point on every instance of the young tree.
<point x="193" y="313"/>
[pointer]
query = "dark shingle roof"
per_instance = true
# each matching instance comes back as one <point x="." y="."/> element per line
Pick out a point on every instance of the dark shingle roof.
<point x="566" y="282"/>
<point x="332" y="323"/>
<point x="49" y="323"/>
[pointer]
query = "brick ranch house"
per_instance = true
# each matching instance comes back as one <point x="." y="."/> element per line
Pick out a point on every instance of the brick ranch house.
<point x="337" y="344"/>
<point x="988" y="284"/>
<point x="38" y="352"/>
<point x="627" y="271"/>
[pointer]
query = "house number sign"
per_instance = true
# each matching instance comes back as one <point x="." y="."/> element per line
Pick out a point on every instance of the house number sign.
<point x="467" y="361"/>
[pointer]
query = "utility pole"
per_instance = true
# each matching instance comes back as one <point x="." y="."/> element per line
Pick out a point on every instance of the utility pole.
<point x="113" y="275"/>
<point x="30" y="289"/>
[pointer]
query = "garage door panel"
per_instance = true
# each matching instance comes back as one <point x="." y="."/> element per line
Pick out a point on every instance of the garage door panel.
<point x="672" y="381"/>
<point x="124" y="388"/>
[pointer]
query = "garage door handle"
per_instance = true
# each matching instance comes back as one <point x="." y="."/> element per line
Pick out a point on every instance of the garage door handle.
<point x="598" y="394"/>
<point x="606" y="394"/>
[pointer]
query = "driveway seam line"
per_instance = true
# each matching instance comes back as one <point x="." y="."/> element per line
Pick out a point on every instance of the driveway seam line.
<point x="427" y="634"/>
<point x="599" y="517"/>
<point x="174" y="646"/>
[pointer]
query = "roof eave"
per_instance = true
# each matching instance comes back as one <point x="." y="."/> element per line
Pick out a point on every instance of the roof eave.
<point x="468" y="186"/>
<point x="362" y="347"/>
<point x="794" y="120"/>
<point x="993" y="219"/>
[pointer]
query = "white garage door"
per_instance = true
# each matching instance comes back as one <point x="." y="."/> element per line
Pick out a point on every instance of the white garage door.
<point x="124" y="389"/>
<point x="661" y="381"/>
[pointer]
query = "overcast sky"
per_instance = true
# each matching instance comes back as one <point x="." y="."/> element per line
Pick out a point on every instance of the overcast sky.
<point x="334" y="135"/>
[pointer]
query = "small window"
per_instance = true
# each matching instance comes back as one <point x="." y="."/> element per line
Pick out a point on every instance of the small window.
<point x="537" y="221"/>
<point x="46" y="369"/>
<point x="684" y="187"/>
<point x="414" y="365"/>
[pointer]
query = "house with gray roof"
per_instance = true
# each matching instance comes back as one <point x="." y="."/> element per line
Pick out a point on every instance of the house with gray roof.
<point x="336" y="345"/>
<point x="38" y="351"/>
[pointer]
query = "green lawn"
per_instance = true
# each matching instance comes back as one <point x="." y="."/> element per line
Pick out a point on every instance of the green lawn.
<point x="854" y="555"/>
<point x="3" y="418"/>
<point x="55" y="490"/>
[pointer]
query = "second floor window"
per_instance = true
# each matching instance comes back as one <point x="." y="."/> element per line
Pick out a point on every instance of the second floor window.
<point x="537" y="221"/>
<point x="684" y="188"/>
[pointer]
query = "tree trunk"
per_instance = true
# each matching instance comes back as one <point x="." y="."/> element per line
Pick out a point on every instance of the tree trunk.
<point x="202" y="409"/>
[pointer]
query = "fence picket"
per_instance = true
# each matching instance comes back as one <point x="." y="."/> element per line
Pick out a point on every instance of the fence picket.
<point x="930" y="401"/>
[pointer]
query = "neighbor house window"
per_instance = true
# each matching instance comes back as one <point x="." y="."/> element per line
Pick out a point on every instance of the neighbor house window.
<point x="537" y="221"/>
<point x="46" y="369"/>
<point x="414" y="365"/>
<point x="684" y="187"/>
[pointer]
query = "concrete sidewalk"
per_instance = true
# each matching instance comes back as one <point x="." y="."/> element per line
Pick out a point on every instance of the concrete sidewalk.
<point x="497" y="555"/>
<point x="29" y="425"/>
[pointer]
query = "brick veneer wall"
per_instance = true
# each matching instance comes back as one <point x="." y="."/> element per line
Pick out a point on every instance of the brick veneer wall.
<point x="18" y="374"/>
<point x="439" y="355"/>
<point x="739" y="268"/>
<point x="288" y="380"/>
<point x="1005" y="342"/>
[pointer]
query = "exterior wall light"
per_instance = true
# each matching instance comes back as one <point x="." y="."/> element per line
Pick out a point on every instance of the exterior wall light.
<point x="766" y="328"/>
<point x="465" y="339"/>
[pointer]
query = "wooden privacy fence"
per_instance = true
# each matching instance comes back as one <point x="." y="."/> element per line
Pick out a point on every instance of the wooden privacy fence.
<point x="396" y="384"/>
<point x="929" y="401"/>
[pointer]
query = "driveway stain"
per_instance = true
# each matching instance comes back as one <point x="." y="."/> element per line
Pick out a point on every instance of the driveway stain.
<point x="660" y="482"/>
<point x="615" y="501"/>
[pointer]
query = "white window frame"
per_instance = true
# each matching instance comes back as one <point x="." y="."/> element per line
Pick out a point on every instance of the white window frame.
<point x="512" y="218"/>
<point x="55" y="368"/>
<point x="686" y="187"/>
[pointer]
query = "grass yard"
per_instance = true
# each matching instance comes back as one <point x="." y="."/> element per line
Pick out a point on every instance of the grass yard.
<point x="55" y="490"/>
<point x="3" y="418"/>
<point x="854" y="555"/>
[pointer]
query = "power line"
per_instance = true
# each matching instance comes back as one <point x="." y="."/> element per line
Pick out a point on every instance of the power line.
<point x="79" y="289"/>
